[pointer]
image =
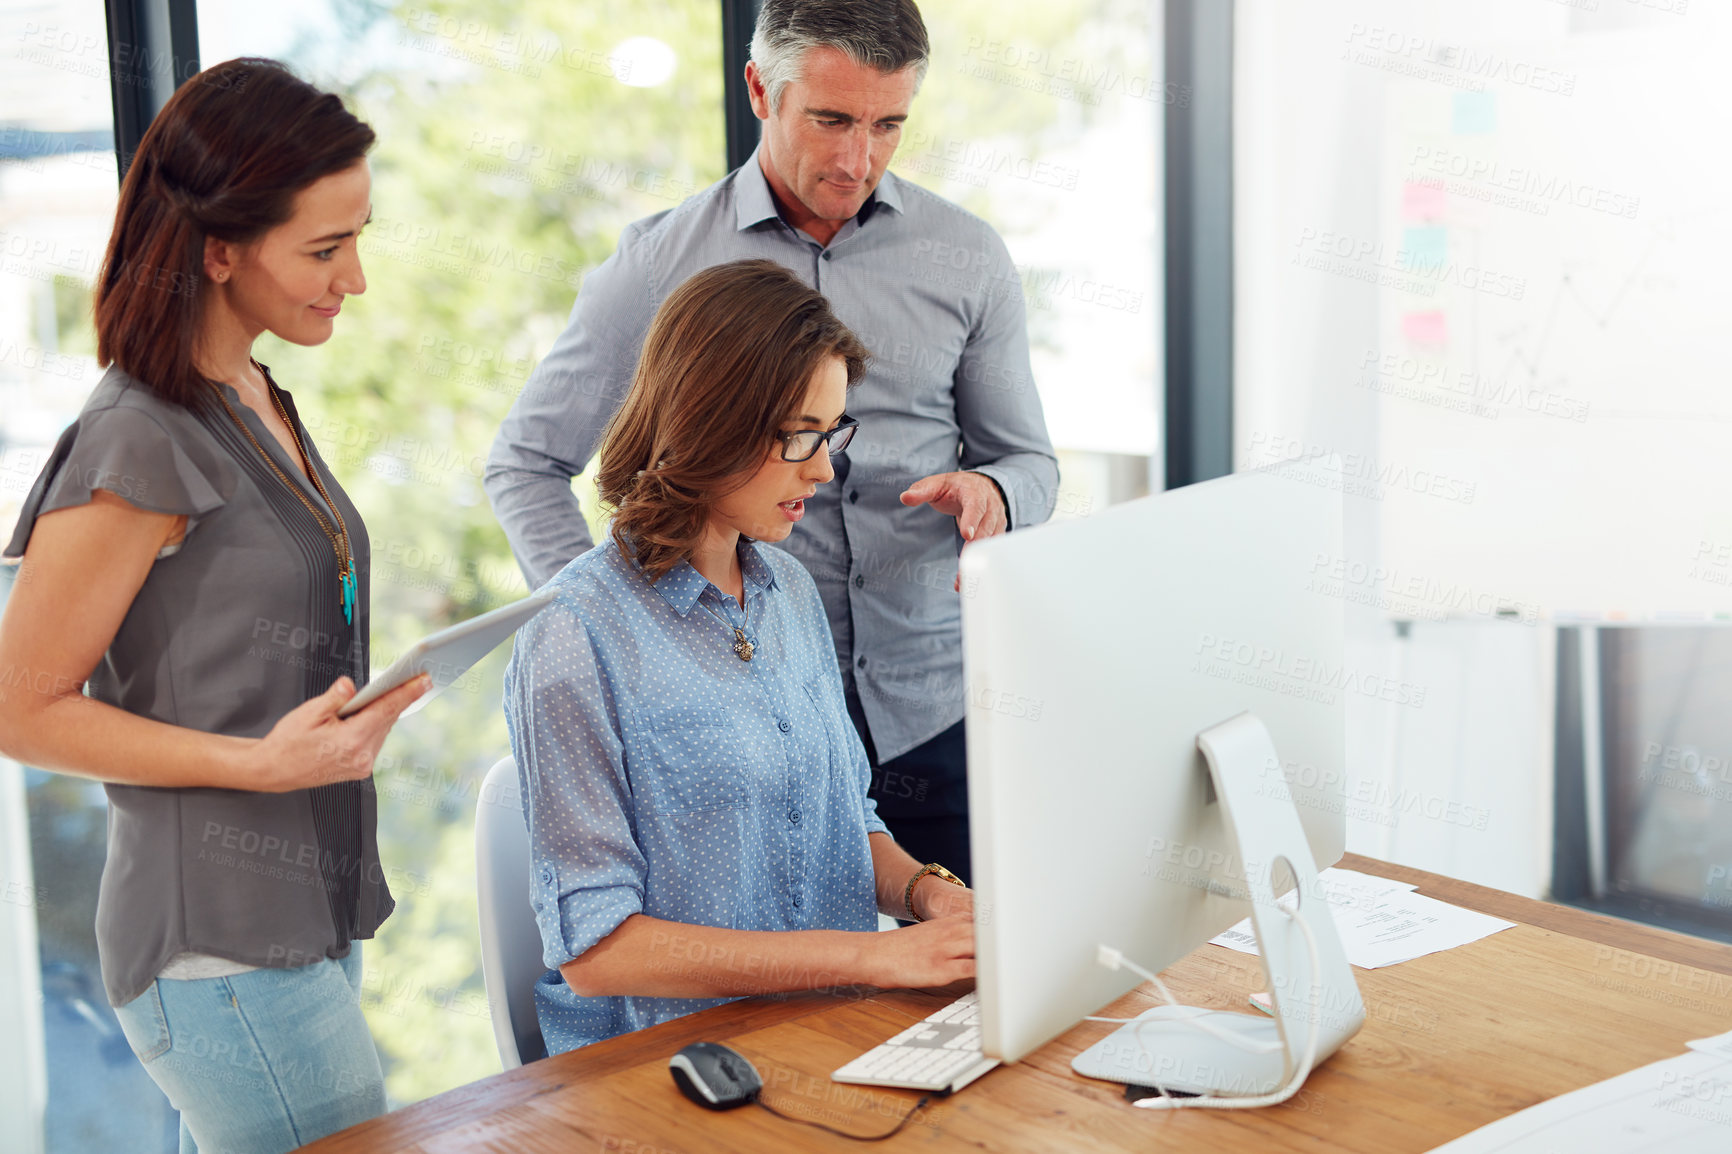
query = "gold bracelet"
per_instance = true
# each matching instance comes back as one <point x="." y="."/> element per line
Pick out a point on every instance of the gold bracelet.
<point x="934" y="869"/>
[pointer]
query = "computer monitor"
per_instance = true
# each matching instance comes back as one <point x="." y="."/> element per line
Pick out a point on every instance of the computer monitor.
<point x="1096" y="651"/>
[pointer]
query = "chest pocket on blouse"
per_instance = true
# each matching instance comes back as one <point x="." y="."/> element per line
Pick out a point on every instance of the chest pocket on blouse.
<point x="692" y="761"/>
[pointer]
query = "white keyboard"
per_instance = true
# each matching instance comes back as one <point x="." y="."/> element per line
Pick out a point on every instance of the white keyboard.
<point x="941" y="1052"/>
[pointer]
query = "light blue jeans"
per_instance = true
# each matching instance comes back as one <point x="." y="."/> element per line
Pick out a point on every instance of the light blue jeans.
<point x="261" y="1062"/>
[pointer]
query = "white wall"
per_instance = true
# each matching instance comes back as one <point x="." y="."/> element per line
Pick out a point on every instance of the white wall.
<point x="1462" y="785"/>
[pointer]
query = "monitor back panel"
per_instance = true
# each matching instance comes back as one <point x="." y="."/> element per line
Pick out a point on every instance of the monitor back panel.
<point x="1095" y="651"/>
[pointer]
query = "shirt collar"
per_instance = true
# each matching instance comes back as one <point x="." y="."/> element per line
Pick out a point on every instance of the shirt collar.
<point x="888" y="194"/>
<point x="682" y="585"/>
<point x="753" y="203"/>
<point x="754" y="568"/>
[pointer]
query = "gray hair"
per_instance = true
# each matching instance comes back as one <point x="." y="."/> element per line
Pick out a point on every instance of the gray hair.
<point x="886" y="34"/>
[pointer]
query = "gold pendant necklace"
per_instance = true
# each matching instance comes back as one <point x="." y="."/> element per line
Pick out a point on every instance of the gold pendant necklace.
<point x="743" y="649"/>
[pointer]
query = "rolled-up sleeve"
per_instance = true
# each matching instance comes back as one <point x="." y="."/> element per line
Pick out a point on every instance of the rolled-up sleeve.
<point x="557" y="421"/>
<point x="587" y="870"/>
<point x="998" y="408"/>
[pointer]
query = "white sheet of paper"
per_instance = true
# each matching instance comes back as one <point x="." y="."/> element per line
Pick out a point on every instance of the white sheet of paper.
<point x="1681" y="1105"/>
<point x="1361" y="891"/>
<point x="1719" y="1044"/>
<point x="1383" y="922"/>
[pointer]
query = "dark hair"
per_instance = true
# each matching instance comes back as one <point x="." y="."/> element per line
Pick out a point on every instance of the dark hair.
<point x="726" y="365"/>
<point x="225" y="158"/>
<point x="888" y="35"/>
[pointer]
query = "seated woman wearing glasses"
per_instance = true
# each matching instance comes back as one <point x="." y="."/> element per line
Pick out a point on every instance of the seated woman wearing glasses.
<point x="696" y="795"/>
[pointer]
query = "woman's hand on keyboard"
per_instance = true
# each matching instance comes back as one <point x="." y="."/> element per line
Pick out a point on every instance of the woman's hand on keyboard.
<point x="929" y="953"/>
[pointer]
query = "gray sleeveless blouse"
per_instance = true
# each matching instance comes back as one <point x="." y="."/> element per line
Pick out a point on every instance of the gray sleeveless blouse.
<point x="240" y="624"/>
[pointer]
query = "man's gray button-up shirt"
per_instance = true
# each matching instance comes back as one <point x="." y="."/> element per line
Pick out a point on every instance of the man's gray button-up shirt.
<point x="932" y="291"/>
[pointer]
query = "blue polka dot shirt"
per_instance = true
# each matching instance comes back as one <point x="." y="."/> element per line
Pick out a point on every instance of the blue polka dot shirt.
<point x="663" y="775"/>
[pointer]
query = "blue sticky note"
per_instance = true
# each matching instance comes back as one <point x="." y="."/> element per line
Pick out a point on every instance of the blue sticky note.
<point x="1426" y="247"/>
<point x="1474" y="113"/>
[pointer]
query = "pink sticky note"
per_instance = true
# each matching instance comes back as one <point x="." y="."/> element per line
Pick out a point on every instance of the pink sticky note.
<point x="1423" y="202"/>
<point x="1426" y="328"/>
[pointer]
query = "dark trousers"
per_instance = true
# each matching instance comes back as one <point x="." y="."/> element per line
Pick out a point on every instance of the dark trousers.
<point x="923" y="797"/>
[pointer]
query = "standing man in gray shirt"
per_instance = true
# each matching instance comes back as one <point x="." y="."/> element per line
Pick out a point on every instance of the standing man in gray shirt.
<point x="952" y="445"/>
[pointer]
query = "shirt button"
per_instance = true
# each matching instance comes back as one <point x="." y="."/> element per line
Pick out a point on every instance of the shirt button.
<point x="859" y="663"/>
<point x="794" y="816"/>
<point x="826" y="256"/>
<point x="783" y="725"/>
<point x="860" y="581"/>
<point x="854" y="497"/>
<point x="547" y="877"/>
<point x="796" y="899"/>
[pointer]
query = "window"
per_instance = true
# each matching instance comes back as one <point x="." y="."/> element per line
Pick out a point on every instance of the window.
<point x="515" y="141"/>
<point x="1668" y="775"/>
<point x="1044" y="120"/>
<point x="68" y="1082"/>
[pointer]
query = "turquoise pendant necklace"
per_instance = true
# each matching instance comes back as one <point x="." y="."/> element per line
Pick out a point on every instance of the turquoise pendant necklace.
<point x="339" y="536"/>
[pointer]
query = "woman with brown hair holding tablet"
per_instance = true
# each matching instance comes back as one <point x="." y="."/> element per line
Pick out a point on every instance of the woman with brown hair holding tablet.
<point x="698" y="817"/>
<point x="187" y="552"/>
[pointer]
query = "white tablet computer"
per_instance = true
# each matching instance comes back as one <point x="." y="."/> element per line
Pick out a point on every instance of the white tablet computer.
<point x="449" y="653"/>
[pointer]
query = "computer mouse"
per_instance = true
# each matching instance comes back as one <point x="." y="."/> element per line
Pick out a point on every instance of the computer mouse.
<point x="714" y="1076"/>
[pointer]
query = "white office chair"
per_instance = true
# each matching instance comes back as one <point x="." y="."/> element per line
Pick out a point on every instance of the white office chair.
<point x="510" y="941"/>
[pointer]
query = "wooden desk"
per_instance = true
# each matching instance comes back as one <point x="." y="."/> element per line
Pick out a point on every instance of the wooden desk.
<point x="1451" y="1042"/>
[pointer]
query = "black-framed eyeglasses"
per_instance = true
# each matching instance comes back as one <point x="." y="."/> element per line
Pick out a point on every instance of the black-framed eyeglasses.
<point x="803" y="445"/>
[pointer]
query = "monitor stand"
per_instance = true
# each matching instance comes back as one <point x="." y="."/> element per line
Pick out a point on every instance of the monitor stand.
<point x="1165" y="1047"/>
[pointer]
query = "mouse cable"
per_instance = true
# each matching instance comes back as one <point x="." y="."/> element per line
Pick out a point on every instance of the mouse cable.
<point x="891" y="1133"/>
